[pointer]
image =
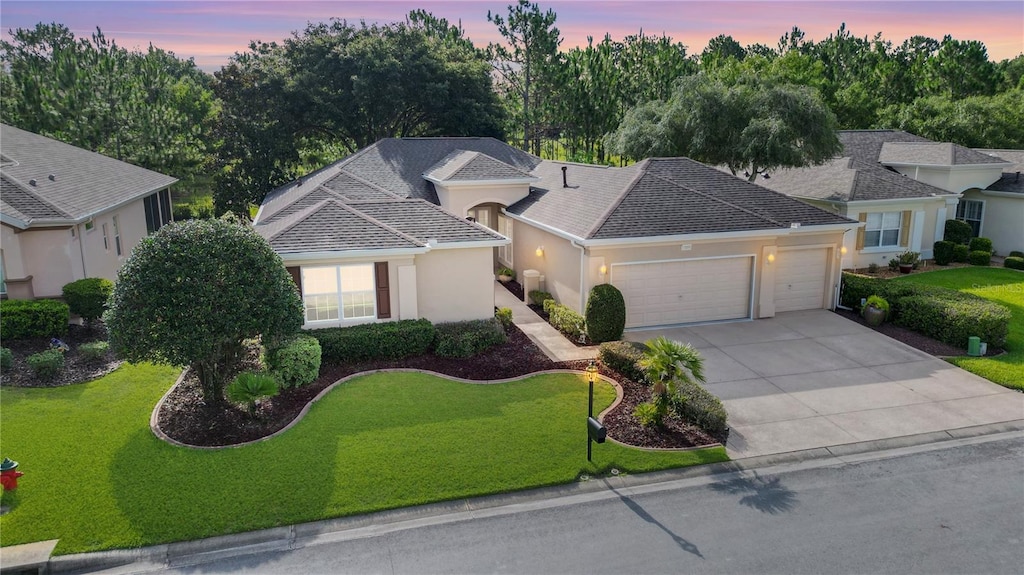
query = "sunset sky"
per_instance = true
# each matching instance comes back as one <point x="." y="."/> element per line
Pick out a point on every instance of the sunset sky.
<point x="211" y="32"/>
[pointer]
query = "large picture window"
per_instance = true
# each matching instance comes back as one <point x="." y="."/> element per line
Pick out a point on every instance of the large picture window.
<point x="882" y="229"/>
<point x="338" y="292"/>
<point x="970" y="211"/>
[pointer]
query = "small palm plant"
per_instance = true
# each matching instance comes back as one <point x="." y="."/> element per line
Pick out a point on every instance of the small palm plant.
<point x="248" y="388"/>
<point x="666" y="362"/>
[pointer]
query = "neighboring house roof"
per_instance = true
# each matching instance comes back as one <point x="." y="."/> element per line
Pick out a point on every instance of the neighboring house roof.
<point x="933" y="153"/>
<point x="1011" y="180"/>
<point x="83" y="183"/>
<point x="465" y="165"/>
<point x="849" y="180"/>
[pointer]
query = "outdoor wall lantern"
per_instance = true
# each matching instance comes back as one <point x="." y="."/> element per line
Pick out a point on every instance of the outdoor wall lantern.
<point x="539" y="251"/>
<point x="842" y="251"/>
<point x="771" y="258"/>
<point x="603" y="270"/>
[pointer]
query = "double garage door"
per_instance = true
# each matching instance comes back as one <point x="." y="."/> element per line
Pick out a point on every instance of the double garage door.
<point x="716" y="289"/>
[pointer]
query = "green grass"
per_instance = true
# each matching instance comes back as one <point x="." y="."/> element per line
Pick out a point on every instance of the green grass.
<point x="96" y="477"/>
<point x="1001" y="285"/>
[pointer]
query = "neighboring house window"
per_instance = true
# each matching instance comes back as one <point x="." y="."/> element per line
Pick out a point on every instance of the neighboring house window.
<point x="117" y="237"/>
<point x="89" y="226"/>
<point x="345" y="291"/>
<point x="882" y="229"/>
<point x="106" y="238"/>
<point x="158" y="210"/>
<point x="970" y="211"/>
<point x="72" y="232"/>
<point x="3" y="276"/>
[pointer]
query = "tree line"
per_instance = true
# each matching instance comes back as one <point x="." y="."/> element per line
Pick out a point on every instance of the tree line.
<point x="279" y="109"/>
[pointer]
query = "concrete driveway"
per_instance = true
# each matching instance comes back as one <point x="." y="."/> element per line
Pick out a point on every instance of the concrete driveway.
<point x="812" y="379"/>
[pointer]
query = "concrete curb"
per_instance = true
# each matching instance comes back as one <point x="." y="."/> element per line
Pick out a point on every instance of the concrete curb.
<point x="282" y="538"/>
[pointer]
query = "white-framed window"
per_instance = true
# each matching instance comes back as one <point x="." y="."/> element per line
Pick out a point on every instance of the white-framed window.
<point x="505" y="229"/>
<point x="89" y="226"/>
<point x="882" y="229"/>
<point x="330" y="293"/>
<point x="117" y="238"/>
<point x="481" y="215"/>
<point x="106" y="238"/>
<point x="970" y="211"/>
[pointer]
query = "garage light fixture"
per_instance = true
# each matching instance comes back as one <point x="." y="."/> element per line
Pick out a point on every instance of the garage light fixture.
<point x="771" y="258"/>
<point x="842" y="251"/>
<point x="539" y="251"/>
<point x="603" y="270"/>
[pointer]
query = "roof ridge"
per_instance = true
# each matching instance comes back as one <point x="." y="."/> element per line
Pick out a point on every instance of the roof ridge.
<point x="383" y="225"/>
<point x="370" y="184"/>
<point x="304" y="193"/>
<point x="721" y="201"/>
<point x="436" y="207"/>
<point x="305" y="213"/>
<point x="641" y="168"/>
<point x="27" y="189"/>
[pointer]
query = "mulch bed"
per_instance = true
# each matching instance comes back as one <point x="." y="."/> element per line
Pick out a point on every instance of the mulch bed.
<point x="76" y="368"/>
<point x="515" y="288"/>
<point x="914" y="339"/>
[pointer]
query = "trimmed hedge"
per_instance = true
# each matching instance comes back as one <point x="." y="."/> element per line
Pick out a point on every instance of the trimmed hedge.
<point x="957" y="232"/>
<point x="6" y="359"/>
<point x="980" y="245"/>
<point x="953" y="319"/>
<point x="605" y="313"/>
<point x="1016" y="254"/>
<point x="94" y="350"/>
<point x="548" y="305"/>
<point x="699" y="406"/>
<point x="943" y="252"/>
<point x="467" y="338"/>
<point x="88" y="297"/>
<point x="567" y="321"/>
<point x="623" y="357"/>
<point x="21" y="319"/>
<point x="46" y="364"/>
<point x="1014" y="263"/>
<point x="538" y="297"/>
<point x="979" y="258"/>
<point x="388" y="340"/>
<point x="960" y="252"/>
<point x="295" y="362"/>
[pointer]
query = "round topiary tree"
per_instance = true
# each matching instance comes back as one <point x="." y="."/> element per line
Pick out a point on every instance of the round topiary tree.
<point x="191" y="293"/>
<point x="87" y="297"/>
<point x="957" y="232"/>
<point x="605" y="314"/>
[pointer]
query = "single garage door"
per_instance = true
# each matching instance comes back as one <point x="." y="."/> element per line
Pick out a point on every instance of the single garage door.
<point x="800" y="279"/>
<point x="684" y="291"/>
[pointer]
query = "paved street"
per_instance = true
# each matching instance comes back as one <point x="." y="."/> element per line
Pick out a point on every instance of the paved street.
<point x="925" y="509"/>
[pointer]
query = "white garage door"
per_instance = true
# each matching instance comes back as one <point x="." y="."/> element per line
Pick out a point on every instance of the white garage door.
<point x="800" y="279"/>
<point x="665" y="293"/>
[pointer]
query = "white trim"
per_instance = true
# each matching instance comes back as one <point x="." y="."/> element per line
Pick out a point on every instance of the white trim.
<point x="13" y="222"/>
<point x="351" y="254"/>
<point x="470" y="244"/>
<point x="950" y="167"/>
<point x="917" y="231"/>
<point x="861" y="205"/>
<point x="544" y="227"/>
<point x="1000" y="194"/>
<point x="481" y="183"/>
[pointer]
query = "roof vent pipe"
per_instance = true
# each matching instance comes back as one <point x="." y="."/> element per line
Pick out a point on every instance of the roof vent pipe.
<point x="1017" y="179"/>
<point x="52" y="177"/>
<point x="31" y="182"/>
<point x="565" y="180"/>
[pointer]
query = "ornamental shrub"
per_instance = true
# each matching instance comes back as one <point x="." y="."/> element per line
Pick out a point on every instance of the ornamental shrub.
<point x="467" y="338"/>
<point x="548" y="305"/>
<point x="980" y="245"/>
<point x="388" y="340"/>
<point x="46" y="364"/>
<point x="21" y="318"/>
<point x="957" y="232"/>
<point x="248" y="388"/>
<point x="624" y="357"/>
<point x="960" y="252"/>
<point x="6" y="359"/>
<point x="954" y="318"/>
<point x="1014" y="263"/>
<point x="695" y="404"/>
<point x="88" y="297"/>
<point x="647" y="414"/>
<point x="979" y="258"/>
<point x="94" y="350"/>
<point x="504" y="315"/>
<point x="943" y="252"/>
<point x="567" y="321"/>
<point x="605" y="314"/>
<point x="295" y="362"/>
<point x="538" y="297"/>
<point x="1016" y="254"/>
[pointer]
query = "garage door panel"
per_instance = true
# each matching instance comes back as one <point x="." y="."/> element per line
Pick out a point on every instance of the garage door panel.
<point x="800" y="279"/>
<point x="685" y="291"/>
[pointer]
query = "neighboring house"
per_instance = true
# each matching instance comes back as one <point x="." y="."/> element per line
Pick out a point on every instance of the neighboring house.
<point x="997" y="212"/>
<point x="68" y="213"/>
<point x="903" y="187"/>
<point x="415" y="227"/>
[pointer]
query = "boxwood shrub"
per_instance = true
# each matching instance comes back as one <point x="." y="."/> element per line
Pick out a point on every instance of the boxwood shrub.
<point x="88" y="297"/>
<point x="548" y="305"/>
<point x="295" y="362"/>
<point x="33" y="318"/>
<point x="980" y="245"/>
<point x="538" y="297"/>
<point x="94" y="350"/>
<point x="957" y="232"/>
<point x="943" y="252"/>
<point x="857" y="287"/>
<point x="467" y="338"/>
<point x="388" y="340"/>
<point x="567" y="321"/>
<point x="699" y="406"/>
<point x="504" y="315"/>
<point x="1016" y="254"/>
<point x="979" y="258"/>
<point x="960" y="252"/>
<point x="953" y="319"/>
<point x="623" y="357"/>
<point x="46" y="364"/>
<point x="1014" y="263"/>
<point x="605" y="313"/>
<point x="6" y="359"/>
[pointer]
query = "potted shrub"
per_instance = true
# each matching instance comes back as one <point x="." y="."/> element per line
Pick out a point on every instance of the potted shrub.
<point x="908" y="261"/>
<point x="875" y="311"/>
<point x="506" y="274"/>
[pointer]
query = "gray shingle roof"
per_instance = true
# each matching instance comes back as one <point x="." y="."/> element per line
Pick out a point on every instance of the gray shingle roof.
<point x="866" y="145"/>
<point x="848" y="180"/>
<point x="466" y="165"/>
<point x="424" y="221"/>
<point x="933" y="154"/>
<point x="331" y="226"/>
<point x="84" y="182"/>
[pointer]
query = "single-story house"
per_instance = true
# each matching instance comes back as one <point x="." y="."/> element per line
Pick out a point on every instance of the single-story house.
<point x="68" y="213"/>
<point x="997" y="212"/>
<point x="902" y="186"/>
<point x="416" y="227"/>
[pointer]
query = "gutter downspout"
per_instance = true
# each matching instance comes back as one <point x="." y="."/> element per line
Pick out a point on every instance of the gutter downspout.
<point x="81" y="250"/>
<point x="583" y="251"/>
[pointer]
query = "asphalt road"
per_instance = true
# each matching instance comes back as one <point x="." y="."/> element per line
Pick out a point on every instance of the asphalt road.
<point x="939" y="510"/>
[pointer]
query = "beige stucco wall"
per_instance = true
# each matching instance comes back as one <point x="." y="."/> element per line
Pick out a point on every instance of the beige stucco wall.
<point x="956" y="179"/>
<point x="1002" y="220"/>
<point x="47" y="257"/>
<point x="458" y="199"/>
<point x="455" y="284"/>
<point x="560" y="264"/>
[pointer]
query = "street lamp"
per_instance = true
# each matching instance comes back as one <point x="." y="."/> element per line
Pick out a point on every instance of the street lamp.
<point x="595" y="431"/>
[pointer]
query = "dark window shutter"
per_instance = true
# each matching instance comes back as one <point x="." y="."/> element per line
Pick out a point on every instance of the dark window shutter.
<point x="383" y="290"/>
<point x="296" y="273"/>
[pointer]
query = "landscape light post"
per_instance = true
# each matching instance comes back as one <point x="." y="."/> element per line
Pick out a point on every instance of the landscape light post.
<point x="595" y="431"/>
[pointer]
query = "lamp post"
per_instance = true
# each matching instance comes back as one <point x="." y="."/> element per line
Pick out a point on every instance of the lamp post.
<point x="595" y="431"/>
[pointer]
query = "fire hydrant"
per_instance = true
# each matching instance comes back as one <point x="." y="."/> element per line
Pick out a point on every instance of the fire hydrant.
<point x="9" y="474"/>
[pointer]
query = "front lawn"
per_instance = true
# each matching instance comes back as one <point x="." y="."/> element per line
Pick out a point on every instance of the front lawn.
<point x="96" y="477"/>
<point x="1000" y="285"/>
